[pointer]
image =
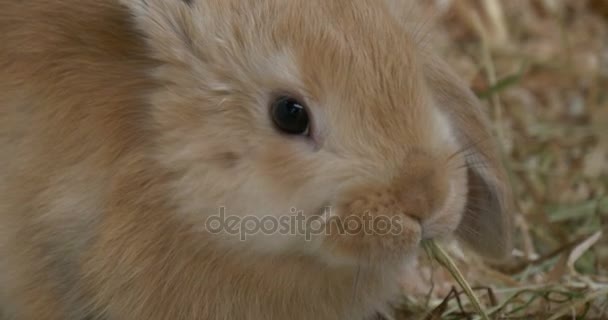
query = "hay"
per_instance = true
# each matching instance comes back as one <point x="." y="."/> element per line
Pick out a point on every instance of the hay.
<point x="541" y="70"/>
<point x="434" y="250"/>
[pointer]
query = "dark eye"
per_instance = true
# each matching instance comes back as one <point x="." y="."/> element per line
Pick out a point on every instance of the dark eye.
<point x="290" y="116"/>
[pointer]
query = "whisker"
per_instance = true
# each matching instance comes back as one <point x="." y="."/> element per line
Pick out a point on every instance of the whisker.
<point x="420" y="29"/>
<point x="476" y="165"/>
<point x="468" y="148"/>
<point x="356" y="283"/>
<point x="427" y="35"/>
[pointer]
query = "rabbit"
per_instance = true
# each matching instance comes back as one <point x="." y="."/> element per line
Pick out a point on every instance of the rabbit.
<point x="128" y="126"/>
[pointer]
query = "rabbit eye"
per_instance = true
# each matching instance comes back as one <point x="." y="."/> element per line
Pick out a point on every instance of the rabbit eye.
<point x="290" y="116"/>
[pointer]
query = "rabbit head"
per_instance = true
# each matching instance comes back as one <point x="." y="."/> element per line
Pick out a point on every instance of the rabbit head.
<point x="331" y="109"/>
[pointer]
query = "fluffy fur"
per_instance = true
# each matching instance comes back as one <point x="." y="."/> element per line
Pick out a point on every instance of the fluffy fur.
<point x="124" y="124"/>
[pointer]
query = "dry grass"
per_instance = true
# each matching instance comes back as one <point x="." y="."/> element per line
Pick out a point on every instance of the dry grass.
<point x="541" y="68"/>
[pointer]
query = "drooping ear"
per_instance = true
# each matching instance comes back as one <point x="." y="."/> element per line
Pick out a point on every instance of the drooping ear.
<point x="487" y="221"/>
<point x="167" y="26"/>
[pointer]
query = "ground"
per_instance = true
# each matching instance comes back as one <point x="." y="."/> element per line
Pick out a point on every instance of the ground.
<point x="541" y="70"/>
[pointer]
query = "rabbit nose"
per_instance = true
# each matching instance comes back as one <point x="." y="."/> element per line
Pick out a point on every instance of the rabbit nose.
<point x="422" y="186"/>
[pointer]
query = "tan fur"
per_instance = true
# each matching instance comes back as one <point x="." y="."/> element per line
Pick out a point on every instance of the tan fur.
<point x="125" y="124"/>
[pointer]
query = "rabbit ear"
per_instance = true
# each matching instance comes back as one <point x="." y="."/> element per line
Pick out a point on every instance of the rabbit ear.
<point x="486" y="224"/>
<point x="166" y="24"/>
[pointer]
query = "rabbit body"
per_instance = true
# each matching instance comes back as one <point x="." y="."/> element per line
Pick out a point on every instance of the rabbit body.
<point x="125" y="124"/>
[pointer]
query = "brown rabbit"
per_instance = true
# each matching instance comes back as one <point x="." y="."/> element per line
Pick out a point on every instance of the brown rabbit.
<point x="126" y="126"/>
